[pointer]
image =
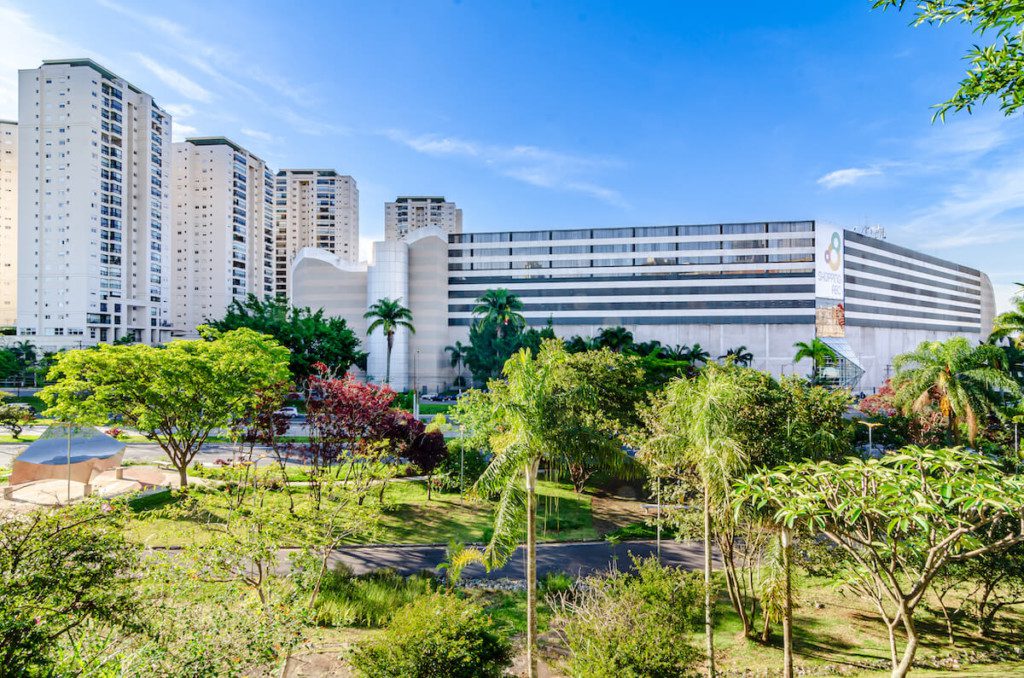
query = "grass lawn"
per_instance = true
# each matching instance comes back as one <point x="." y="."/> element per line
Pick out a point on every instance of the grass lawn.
<point x="833" y="633"/>
<point x="408" y="518"/>
<point x="434" y="408"/>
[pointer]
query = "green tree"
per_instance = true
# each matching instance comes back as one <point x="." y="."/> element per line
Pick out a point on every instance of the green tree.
<point x="9" y="365"/>
<point x="615" y="383"/>
<point x="490" y="347"/>
<point x="176" y="395"/>
<point x="309" y="335"/>
<point x="457" y="351"/>
<point x="817" y="351"/>
<point x="899" y="520"/>
<point x="59" y="570"/>
<point x="696" y="354"/>
<point x="691" y="425"/>
<point x="389" y="315"/>
<point x="966" y="382"/>
<point x="1010" y="324"/>
<point x="14" y="417"/>
<point x="997" y="69"/>
<point x="527" y="419"/>
<point x="617" y="339"/>
<point x="26" y="353"/>
<point x="501" y="308"/>
<point x="738" y="356"/>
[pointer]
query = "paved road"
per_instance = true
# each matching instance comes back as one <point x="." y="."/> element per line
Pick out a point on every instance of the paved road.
<point x="575" y="558"/>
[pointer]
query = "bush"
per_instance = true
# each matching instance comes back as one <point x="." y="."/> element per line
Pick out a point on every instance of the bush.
<point x="554" y="583"/>
<point x="628" y="626"/>
<point x="369" y="600"/>
<point x="474" y="461"/>
<point x="436" y="636"/>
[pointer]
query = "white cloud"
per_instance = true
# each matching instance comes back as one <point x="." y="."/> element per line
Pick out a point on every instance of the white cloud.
<point x="176" y="80"/>
<point x="24" y="45"/>
<point x="529" y="164"/>
<point x="180" y="110"/>
<point x="213" y="60"/>
<point x="181" y="131"/>
<point x="258" y="134"/>
<point x="848" y="176"/>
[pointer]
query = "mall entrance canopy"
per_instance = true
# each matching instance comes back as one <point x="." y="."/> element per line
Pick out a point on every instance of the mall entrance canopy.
<point x="844" y="370"/>
<point x="67" y="451"/>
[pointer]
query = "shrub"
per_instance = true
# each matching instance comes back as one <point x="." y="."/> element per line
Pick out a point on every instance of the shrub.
<point x="474" y="462"/>
<point x="369" y="600"/>
<point x="554" y="583"/>
<point x="628" y="626"/>
<point x="436" y="636"/>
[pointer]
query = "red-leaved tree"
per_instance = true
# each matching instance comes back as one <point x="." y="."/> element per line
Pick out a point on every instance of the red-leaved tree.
<point x="346" y="420"/>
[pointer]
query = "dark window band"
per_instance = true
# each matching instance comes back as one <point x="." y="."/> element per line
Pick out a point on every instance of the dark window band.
<point x="910" y="313"/>
<point x="611" y="321"/>
<point x="943" y="273"/>
<point x="857" y="294"/>
<point x="903" y="251"/>
<point x="893" y="275"/>
<point x="908" y="325"/>
<point x="878" y="284"/>
<point x="657" y="291"/>
<point x="653" y="277"/>
<point x="653" y="305"/>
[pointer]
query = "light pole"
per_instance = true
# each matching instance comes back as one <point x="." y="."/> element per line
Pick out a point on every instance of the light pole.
<point x="68" y="426"/>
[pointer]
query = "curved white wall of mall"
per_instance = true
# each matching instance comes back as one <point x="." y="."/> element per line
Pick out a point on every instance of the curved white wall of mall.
<point x="388" y="276"/>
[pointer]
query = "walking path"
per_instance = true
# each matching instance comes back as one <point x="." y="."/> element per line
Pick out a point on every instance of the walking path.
<point x="574" y="558"/>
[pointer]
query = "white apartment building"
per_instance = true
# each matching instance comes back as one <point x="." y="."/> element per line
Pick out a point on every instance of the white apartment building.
<point x="93" y="204"/>
<point x="8" y="223"/>
<point x="313" y="208"/>
<point x="223" y="230"/>
<point x="410" y="213"/>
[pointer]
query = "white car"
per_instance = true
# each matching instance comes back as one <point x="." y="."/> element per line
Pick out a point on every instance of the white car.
<point x="288" y="412"/>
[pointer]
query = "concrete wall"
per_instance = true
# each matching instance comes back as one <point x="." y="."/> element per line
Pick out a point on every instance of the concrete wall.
<point x="428" y="301"/>
<point x="388" y="277"/>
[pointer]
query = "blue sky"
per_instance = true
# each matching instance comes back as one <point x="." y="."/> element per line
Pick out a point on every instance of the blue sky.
<point x="560" y="114"/>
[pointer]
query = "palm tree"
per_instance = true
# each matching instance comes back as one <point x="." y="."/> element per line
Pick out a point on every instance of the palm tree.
<point x="25" y="352"/>
<point x="696" y="354"/>
<point x="817" y="350"/>
<point x="502" y="308"/>
<point x="618" y="339"/>
<point x="528" y="419"/>
<point x="458" y="355"/>
<point x="389" y="315"/>
<point x="1010" y="325"/>
<point x="738" y="356"/>
<point x="966" y="382"/>
<point x="691" y="427"/>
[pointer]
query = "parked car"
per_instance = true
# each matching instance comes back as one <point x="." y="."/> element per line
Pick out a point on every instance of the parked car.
<point x="288" y="412"/>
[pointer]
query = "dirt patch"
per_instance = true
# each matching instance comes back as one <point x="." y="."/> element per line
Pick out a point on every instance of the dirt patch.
<point x="611" y="511"/>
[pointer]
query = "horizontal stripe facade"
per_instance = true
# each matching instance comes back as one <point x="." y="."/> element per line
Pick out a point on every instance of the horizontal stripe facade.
<point x="888" y="286"/>
<point x="756" y="273"/>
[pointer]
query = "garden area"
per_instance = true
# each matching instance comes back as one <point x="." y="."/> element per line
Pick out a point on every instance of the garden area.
<point x="810" y="551"/>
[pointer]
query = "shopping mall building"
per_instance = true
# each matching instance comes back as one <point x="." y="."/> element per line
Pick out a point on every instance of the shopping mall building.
<point x="762" y="285"/>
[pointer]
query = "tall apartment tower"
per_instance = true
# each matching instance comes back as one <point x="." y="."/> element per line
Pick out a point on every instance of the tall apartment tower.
<point x="8" y="223"/>
<point x="223" y="230"/>
<point x="313" y="208"/>
<point x="93" y="208"/>
<point x="409" y="213"/>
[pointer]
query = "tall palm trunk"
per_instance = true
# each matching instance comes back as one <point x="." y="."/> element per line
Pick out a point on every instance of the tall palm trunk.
<point x="787" y="612"/>
<point x="709" y="626"/>
<point x="531" y="568"/>
<point x="387" y="369"/>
